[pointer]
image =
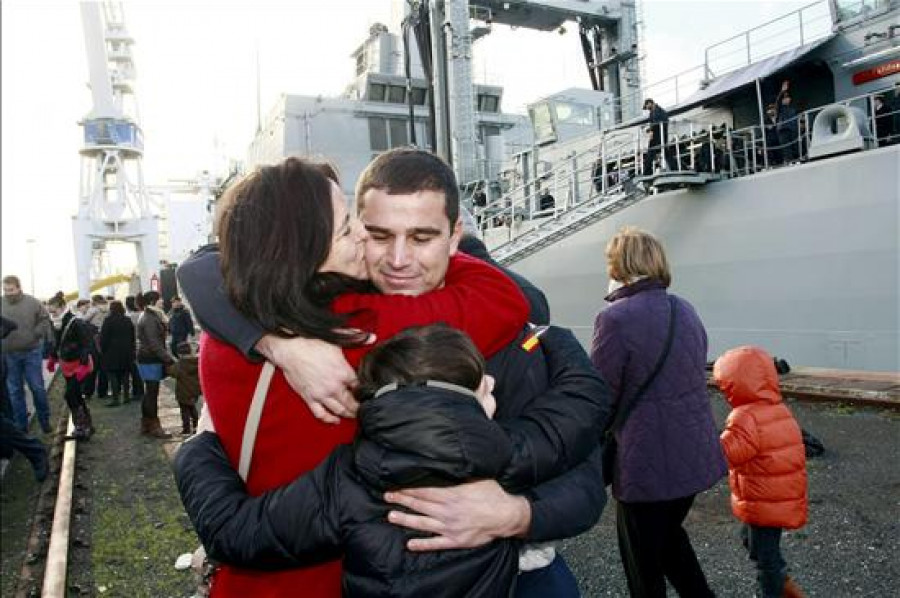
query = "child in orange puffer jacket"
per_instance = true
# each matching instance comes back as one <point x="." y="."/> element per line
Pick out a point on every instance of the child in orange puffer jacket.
<point x="766" y="461"/>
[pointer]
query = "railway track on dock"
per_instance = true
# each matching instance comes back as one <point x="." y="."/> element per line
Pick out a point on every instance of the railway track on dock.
<point x="106" y="522"/>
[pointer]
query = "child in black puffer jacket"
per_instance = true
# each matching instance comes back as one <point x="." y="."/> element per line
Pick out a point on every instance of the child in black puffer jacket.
<point x="424" y="420"/>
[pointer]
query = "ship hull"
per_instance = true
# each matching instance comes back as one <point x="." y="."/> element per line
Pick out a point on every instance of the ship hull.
<point x="803" y="261"/>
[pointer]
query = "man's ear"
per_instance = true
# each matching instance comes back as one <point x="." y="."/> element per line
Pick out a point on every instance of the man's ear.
<point x="455" y="236"/>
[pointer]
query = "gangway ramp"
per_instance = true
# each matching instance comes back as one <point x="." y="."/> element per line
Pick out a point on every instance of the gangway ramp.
<point x="565" y="224"/>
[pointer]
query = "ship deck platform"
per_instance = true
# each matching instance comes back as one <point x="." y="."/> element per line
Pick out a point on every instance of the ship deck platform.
<point x="876" y="389"/>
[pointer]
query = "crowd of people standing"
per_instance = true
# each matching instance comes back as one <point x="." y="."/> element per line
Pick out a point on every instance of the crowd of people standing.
<point x="102" y="348"/>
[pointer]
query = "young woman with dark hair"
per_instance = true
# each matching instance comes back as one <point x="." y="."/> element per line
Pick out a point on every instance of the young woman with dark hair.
<point x="292" y="261"/>
<point x="72" y="350"/>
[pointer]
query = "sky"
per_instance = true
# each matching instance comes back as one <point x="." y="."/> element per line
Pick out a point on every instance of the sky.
<point x="196" y="88"/>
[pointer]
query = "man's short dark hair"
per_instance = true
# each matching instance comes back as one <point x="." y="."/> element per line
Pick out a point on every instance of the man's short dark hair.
<point x="648" y="103"/>
<point x="409" y="170"/>
<point x="12" y="279"/>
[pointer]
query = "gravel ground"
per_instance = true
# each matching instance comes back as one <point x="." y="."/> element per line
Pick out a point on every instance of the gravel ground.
<point x="129" y="526"/>
<point x="850" y="546"/>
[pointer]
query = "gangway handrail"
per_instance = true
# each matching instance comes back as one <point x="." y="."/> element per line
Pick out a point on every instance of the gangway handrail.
<point x="746" y="34"/>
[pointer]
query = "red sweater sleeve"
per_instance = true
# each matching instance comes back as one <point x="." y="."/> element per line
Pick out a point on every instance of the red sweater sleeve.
<point x="476" y="298"/>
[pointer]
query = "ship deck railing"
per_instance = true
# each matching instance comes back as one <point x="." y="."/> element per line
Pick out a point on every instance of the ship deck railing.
<point x="792" y="30"/>
<point x="588" y="181"/>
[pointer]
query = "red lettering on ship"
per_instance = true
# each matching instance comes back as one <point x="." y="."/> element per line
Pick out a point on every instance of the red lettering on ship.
<point x="882" y="70"/>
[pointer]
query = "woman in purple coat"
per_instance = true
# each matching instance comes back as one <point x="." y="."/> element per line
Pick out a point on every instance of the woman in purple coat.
<point x="668" y="447"/>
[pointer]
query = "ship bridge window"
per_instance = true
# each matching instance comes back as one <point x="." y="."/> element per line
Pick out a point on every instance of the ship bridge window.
<point x="849" y="9"/>
<point x="396" y="94"/>
<point x="542" y="122"/>
<point x="488" y="103"/>
<point x="574" y="114"/>
<point x="376" y="92"/>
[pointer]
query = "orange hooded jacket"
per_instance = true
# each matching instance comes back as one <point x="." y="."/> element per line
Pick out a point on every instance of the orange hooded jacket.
<point x="762" y="441"/>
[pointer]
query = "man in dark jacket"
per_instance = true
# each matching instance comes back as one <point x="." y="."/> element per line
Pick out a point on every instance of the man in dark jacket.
<point x="788" y="127"/>
<point x="659" y="135"/>
<point x="117" y="349"/>
<point x="561" y="430"/>
<point x="181" y="324"/>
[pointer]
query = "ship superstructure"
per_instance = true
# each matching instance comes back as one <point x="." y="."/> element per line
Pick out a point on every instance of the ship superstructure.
<point x="792" y="246"/>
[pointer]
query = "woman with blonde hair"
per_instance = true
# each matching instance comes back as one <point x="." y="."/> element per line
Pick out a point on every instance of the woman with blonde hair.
<point x="650" y="346"/>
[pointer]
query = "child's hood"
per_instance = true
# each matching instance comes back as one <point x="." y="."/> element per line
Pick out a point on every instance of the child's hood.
<point x="746" y="375"/>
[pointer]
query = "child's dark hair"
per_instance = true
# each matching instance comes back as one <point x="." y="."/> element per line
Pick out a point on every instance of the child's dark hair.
<point x="435" y="352"/>
<point x="184" y="349"/>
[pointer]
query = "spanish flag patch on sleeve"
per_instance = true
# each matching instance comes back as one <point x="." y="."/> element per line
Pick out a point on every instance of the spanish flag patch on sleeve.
<point x="532" y="341"/>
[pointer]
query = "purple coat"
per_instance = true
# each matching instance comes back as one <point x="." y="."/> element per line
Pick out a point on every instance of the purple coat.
<point x="669" y="446"/>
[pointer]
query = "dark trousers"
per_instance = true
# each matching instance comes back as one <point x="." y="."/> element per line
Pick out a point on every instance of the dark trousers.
<point x="118" y="383"/>
<point x="764" y="547"/>
<point x="655" y="547"/>
<point x="81" y="416"/>
<point x="553" y="581"/>
<point x="189" y="417"/>
<point x="96" y="380"/>
<point x="150" y="402"/>
<point x="787" y="140"/>
<point x="137" y="383"/>
<point x="650" y="157"/>
<point x="13" y="439"/>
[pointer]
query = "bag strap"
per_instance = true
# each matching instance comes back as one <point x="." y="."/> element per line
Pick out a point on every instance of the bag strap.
<point x="625" y="410"/>
<point x="251" y="426"/>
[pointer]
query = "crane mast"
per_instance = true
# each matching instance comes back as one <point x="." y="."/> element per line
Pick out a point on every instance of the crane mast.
<point x="113" y="201"/>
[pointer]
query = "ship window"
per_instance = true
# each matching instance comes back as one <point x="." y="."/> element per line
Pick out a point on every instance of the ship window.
<point x="376" y="92"/>
<point x="378" y="139"/>
<point x="574" y="114"/>
<point x="488" y="103"/>
<point x="418" y="96"/>
<point x="396" y="94"/>
<point x="399" y="132"/>
<point x="542" y="122"/>
<point x="849" y="9"/>
<point x="385" y="133"/>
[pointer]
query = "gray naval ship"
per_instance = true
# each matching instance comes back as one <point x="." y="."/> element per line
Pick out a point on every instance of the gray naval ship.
<point x="789" y="241"/>
<point x="781" y="230"/>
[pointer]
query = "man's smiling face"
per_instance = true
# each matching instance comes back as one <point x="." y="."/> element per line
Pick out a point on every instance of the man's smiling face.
<point x="410" y="240"/>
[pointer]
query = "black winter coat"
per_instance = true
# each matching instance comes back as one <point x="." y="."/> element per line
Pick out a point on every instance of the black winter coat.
<point x="412" y="437"/>
<point x="556" y="462"/>
<point x="181" y="325"/>
<point x="117" y="343"/>
<point x="74" y="340"/>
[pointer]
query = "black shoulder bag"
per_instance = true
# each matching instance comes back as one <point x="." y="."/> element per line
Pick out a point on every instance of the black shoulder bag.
<point x="610" y="446"/>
